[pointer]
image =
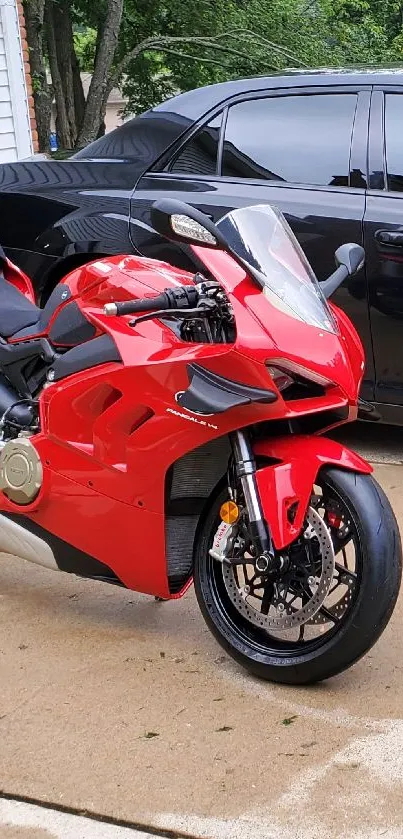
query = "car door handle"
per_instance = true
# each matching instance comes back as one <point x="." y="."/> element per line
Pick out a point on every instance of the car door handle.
<point x="390" y="237"/>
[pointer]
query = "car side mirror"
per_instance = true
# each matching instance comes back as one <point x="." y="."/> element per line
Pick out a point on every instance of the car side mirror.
<point x="180" y="222"/>
<point x="351" y="257"/>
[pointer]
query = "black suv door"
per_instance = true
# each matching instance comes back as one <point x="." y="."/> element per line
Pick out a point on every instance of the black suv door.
<point x="383" y="232"/>
<point x="302" y="150"/>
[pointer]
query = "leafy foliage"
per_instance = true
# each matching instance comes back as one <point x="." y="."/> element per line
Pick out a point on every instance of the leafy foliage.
<point x="85" y="42"/>
<point x="163" y="48"/>
<point x="365" y="31"/>
<point x="282" y="33"/>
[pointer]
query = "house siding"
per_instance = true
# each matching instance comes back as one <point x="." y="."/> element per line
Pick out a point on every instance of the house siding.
<point x="16" y="140"/>
<point x="28" y="76"/>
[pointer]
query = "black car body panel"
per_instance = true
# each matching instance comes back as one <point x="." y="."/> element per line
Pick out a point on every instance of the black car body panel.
<point x="58" y="214"/>
<point x="312" y="143"/>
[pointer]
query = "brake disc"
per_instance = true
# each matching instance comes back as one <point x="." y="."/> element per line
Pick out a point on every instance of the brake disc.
<point x="337" y="610"/>
<point x="340" y="606"/>
<point x="283" y="614"/>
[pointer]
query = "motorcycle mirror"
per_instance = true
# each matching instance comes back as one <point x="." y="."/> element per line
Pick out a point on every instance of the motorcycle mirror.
<point x="180" y="222"/>
<point x="351" y="257"/>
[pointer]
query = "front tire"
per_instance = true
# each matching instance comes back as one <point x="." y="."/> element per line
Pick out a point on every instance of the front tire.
<point x="376" y="587"/>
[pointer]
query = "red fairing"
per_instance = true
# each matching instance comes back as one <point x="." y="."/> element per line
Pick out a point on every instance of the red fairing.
<point x="16" y="277"/>
<point x="265" y="333"/>
<point x="353" y="344"/>
<point x="110" y="435"/>
<point x="286" y="487"/>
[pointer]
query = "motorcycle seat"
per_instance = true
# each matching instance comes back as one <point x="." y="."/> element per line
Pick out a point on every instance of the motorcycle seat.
<point x="19" y="317"/>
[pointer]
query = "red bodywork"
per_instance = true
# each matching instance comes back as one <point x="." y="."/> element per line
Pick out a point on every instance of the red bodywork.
<point x="16" y="277"/>
<point x="109" y="435"/>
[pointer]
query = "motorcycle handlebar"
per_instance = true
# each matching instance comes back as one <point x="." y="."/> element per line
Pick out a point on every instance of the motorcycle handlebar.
<point x="131" y="307"/>
<point x="173" y="298"/>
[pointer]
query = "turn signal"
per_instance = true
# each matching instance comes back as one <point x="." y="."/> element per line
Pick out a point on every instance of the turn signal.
<point x="229" y="512"/>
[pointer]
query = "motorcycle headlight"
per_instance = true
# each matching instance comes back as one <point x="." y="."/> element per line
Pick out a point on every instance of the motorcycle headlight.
<point x="281" y="379"/>
<point x="287" y="374"/>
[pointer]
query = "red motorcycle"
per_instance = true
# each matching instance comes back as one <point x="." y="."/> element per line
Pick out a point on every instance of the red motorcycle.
<point x="159" y="427"/>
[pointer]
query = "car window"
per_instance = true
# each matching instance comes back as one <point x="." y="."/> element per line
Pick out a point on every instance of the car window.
<point x="199" y="155"/>
<point x="302" y="139"/>
<point x="394" y="140"/>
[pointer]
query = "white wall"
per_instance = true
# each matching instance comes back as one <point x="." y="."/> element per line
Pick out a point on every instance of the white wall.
<point x="15" y="129"/>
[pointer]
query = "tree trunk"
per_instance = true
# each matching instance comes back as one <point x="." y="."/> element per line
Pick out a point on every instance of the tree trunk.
<point x="79" y="98"/>
<point x="34" y="15"/>
<point x="62" y="121"/>
<point x="63" y="29"/>
<point x="95" y="104"/>
<point x="101" y="130"/>
<point x="64" y="67"/>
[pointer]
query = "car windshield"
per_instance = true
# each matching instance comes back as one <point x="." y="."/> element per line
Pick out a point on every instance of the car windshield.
<point x="264" y="240"/>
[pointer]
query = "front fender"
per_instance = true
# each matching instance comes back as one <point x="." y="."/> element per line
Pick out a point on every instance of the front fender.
<point x="286" y="486"/>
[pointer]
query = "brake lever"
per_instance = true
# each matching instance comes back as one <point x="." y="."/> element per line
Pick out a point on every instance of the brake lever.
<point x="169" y="314"/>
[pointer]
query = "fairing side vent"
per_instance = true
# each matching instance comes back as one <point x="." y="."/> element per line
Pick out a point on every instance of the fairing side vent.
<point x="103" y="424"/>
<point x="95" y="401"/>
<point x="115" y="434"/>
<point x="189" y="483"/>
<point x="87" y="408"/>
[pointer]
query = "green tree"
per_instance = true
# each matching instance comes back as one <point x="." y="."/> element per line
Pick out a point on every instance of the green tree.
<point x="153" y="49"/>
<point x="365" y="31"/>
<point x="196" y="44"/>
<point x="85" y="42"/>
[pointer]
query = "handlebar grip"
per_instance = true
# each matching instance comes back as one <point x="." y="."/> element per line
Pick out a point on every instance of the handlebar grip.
<point x="131" y="307"/>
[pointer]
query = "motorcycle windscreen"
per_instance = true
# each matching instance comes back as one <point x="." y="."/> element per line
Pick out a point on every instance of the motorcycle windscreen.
<point x="261" y="236"/>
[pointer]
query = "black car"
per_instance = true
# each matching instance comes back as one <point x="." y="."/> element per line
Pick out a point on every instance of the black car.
<point x="326" y="147"/>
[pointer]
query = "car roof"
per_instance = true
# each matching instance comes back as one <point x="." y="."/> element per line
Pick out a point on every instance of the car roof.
<point x="144" y="138"/>
<point x="194" y="103"/>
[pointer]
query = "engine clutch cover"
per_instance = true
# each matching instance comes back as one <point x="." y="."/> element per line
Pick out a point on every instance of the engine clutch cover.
<point x="20" y="471"/>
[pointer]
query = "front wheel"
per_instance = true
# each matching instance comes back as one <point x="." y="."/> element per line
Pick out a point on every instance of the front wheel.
<point x="336" y="593"/>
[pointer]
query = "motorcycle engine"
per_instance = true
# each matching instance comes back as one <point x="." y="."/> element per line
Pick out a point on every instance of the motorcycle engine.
<point x="21" y="471"/>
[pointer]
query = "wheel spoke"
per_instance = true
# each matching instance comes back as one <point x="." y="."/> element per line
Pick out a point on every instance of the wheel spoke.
<point x="300" y="638"/>
<point x="343" y="570"/>
<point x="326" y="614"/>
<point x="340" y="543"/>
<point x="267" y="597"/>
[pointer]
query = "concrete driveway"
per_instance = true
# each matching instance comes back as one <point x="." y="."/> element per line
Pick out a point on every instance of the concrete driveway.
<point x="118" y="706"/>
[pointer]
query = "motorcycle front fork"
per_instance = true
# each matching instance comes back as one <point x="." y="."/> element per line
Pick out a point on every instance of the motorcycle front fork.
<point x="245" y="469"/>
